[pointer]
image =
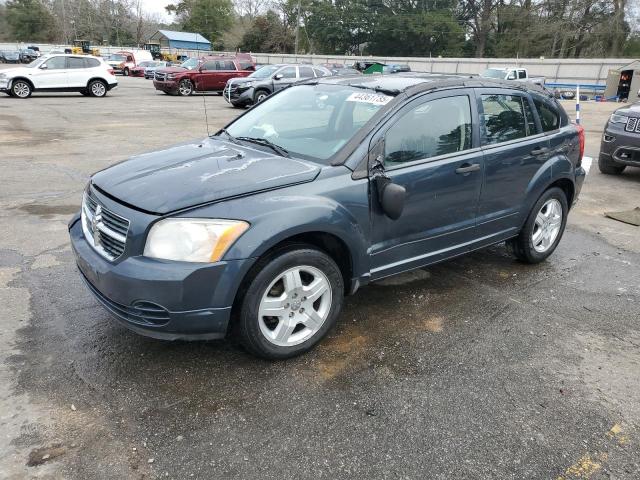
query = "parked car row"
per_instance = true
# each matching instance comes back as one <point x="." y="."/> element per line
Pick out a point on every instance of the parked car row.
<point x="26" y="55"/>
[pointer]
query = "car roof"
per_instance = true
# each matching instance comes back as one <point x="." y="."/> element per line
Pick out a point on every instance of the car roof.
<point x="414" y="82"/>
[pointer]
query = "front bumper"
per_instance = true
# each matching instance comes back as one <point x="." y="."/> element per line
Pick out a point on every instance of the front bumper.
<point x="623" y="148"/>
<point x="166" y="85"/>
<point x="161" y="299"/>
<point x="238" y="97"/>
<point x="4" y="84"/>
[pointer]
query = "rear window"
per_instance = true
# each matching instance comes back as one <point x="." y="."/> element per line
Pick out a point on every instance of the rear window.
<point x="306" y="72"/>
<point x="549" y="115"/>
<point x="504" y="118"/>
<point x="227" y="65"/>
<point x="75" y="62"/>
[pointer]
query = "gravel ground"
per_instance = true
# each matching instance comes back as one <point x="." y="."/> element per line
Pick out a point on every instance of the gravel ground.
<point x="477" y="368"/>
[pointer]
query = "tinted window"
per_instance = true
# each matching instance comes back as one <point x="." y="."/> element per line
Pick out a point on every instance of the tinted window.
<point x="434" y="128"/>
<point x="92" y="62"/>
<point x="56" y="63"/>
<point x="306" y="72"/>
<point x="75" y="62"/>
<point x="247" y="66"/>
<point x="228" y="65"/>
<point x="209" y="65"/>
<point x="549" y="116"/>
<point x="522" y="74"/>
<point x="503" y="118"/>
<point x="528" y="113"/>
<point x="289" y="72"/>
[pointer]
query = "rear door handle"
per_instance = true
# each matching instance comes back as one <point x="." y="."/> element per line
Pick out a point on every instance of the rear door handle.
<point x="468" y="168"/>
<point x="539" y="151"/>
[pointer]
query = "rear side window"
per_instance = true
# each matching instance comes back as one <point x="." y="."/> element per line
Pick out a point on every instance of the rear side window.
<point x="92" y="62"/>
<point x="306" y="72"/>
<point x="549" y="115"/>
<point x="522" y="74"/>
<point x="75" y="62"/>
<point x="318" y="72"/>
<point x="503" y="118"/>
<point x="228" y="65"/>
<point x="438" y="127"/>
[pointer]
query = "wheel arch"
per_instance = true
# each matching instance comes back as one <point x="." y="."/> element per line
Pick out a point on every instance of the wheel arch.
<point x="13" y="80"/>
<point x="106" y="84"/>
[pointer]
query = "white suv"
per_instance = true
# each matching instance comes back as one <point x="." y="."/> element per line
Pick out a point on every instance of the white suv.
<point x="90" y="76"/>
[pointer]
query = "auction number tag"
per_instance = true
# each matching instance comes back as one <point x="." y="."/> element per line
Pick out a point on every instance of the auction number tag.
<point x="373" y="98"/>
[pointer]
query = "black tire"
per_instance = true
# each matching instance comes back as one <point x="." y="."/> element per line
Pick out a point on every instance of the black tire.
<point x="264" y="273"/>
<point x="97" y="88"/>
<point x="21" y="89"/>
<point x="185" y="88"/>
<point x="609" y="168"/>
<point x="84" y="92"/>
<point x="260" y="95"/>
<point x="522" y="246"/>
<point x="125" y="72"/>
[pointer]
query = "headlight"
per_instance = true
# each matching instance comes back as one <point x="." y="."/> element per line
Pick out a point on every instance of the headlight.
<point x="247" y="84"/>
<point x="171" y="76"/>
<point x="192" y="240"/>
<point x="615" y="118"/>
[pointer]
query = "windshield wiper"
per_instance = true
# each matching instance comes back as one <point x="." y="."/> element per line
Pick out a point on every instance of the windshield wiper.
<point x="267" y="143"/>
<point x="231" y="138"/>
<point x="386" y="91"/>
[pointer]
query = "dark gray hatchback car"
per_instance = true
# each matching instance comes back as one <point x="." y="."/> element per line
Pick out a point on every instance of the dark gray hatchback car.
<point x="620" y="146"/>
<point x="263" y="228"/>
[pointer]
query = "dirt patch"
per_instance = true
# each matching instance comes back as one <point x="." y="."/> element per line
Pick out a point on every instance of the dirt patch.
<point x="48" y="211"/>
<point x="43" y="455"/>
<point x="432" y="324"/>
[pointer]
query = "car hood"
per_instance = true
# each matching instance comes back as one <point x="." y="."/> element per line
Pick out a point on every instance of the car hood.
<point x="632" y="110"/>
<point x="13" y="72"/>
<point x="196" y="173"/>
<point x="172" y="70"/>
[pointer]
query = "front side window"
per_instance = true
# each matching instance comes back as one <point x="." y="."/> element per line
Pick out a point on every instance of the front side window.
<point x="56" y="63"/>
<point x="288" y="72"/>
<point x="503" y="118"/>
<point x="264" y="72"/>
<point x="319" y="73"/>
<point x="549" y="116"/>
<point x="438" y="127"/>
<point x="209" y="65"/>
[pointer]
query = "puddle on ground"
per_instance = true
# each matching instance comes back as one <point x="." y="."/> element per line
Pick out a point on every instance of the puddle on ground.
<point x="48" y="211"/>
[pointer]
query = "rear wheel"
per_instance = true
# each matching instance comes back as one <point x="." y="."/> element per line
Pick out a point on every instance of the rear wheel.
<point x="291" y="303"/>
<point x="185" y="88"/>
<point x="21" y="89"/>
<point x="609" y="168"/>
<point x="543" y="229"/>
<point x="97" y="88"/>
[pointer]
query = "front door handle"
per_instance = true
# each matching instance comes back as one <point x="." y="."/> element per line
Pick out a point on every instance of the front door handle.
<point x="468" y="168"/>
<point x="539" y="151"/>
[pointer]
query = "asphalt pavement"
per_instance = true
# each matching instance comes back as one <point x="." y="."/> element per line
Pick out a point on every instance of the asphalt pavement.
<point x="480" y="367"/>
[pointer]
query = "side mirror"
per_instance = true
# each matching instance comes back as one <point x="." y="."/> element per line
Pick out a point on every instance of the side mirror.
<point x="391" y="197"/>
<point x="278" y="76"/>
<point x="43" y="66"/>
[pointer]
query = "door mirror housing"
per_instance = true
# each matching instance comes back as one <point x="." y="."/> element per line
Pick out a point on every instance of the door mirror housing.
<point x="278" y="76"/>
<point x="391" y="197"/>
<point x="43" y="66"/>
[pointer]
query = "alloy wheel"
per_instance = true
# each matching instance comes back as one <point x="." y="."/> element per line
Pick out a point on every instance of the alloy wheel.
<point x="21" y="89"/>
<point x="547" y="225"/>
<point x="98" y="89"/>
<point x="185" y="88"/>
<point x="295" y="306"/>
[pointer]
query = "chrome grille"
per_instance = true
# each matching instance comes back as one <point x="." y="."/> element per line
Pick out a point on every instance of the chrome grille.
<point x="160" y="76"/>
<point x="633" y="125"/>
<point x="103" y="229"/>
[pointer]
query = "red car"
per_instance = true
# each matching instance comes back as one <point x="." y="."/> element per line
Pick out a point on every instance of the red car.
<point x="209" y="75"/>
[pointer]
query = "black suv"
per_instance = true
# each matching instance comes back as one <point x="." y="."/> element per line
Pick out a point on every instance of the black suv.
<point x="620" y="146"/>
<point x="320" y="189"/>
<point x="245" y="91"/>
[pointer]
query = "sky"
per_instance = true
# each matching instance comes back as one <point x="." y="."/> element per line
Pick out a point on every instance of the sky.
<point x="157" y="6"/>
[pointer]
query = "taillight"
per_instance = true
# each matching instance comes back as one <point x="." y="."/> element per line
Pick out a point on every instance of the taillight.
<point x="111" y="71"/>
<point x="581" y="139"/>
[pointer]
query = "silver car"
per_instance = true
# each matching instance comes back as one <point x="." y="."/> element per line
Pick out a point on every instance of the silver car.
<point x="150" y="70"/>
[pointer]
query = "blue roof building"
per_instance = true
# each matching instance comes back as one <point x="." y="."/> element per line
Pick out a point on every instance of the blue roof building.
<point x="185" y="40"/>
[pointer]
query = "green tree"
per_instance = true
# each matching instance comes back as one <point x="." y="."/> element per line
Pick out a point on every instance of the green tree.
<point x="210" y="18"/>
<point x="29" y="20"/>
<point x="268" y="34"/>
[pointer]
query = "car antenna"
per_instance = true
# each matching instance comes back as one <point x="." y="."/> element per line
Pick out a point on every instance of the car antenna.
<point x="204" y="100"/>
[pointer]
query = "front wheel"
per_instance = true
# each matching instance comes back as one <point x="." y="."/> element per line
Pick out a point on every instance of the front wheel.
<point x="125" y="72"/>
<point x="609" y="168"/>
<point x="543" y="229"/>
<point x="21" y="89"/>
<point x="185" y="88"/>
<point x="291" y="303"/>
<point x="260" y="95"/>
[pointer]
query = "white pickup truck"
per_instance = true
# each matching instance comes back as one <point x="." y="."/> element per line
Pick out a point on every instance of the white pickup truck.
<point x="512" y="73"/>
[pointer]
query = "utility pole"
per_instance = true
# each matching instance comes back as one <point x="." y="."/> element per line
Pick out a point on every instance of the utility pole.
<point x="297" y="28"/>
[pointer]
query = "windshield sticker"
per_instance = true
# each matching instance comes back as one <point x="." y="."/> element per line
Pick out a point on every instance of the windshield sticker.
<point x="373" y="98"/>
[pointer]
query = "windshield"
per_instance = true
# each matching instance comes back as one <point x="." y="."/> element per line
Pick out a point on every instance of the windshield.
<point x="264" y="72"/>
<point x="493" y="73"/>
<point x="190" y="64"/>
<point x="310" y="121"/>
<point x="117" y="58"/>
<point x="37" y="62"/>
<point x="147" y="64"/>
